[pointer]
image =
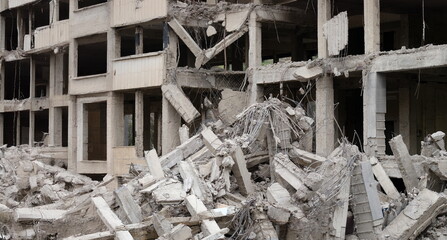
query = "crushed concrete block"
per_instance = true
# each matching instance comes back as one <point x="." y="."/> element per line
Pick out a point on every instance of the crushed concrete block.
<point x="232" y="103"/>
<point x="416" y="216"/>
<point x="307" y="73"/>
<point x="183" y="133"/>
<point x="212" y="142"/>
<point x="278" y="215"/>
<point x="162" y="225"/>
<point x="181" y="232"/>
<point x="187" y="171"/>
<point x="169" y="193"/>
<point x="305" y="158"/>
<point x="210" y="31"/>
<point x="147" y="181"/>
<point x="383" y="179"/>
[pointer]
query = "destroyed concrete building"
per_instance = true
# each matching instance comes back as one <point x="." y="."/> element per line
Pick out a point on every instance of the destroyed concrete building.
<point x="261" y="89"/>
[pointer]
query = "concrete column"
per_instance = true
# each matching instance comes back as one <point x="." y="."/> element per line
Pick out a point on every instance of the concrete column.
<point x="72" y="128"/>
<point x="139" y="123"/>
<point x="54" y="11"/>
<point x="171" y="61"/>
<point x="254" y="57"/>
<point x="1" y="130"/>
<point x="170" y="124"/>
<point x="2" y="33"/>
<point x="404" y="31"/>
<point x="32" y="80"/>
<point x="55" y="126"/>
<point x="115" y="126"/>
<point x="139" y="40"/>
<point x="56" y="75"/>
<point x="371" y="11"/>
<point x="325" y="131"/>
<point x="31" y="128"/>
<point x="404" y="111"/>
<point x="374" y="110"/>
<point x="20" y="29"/>
<point x="73" y="6"/>
<point x="2" y="80"/>
<point x="18" y="126"/>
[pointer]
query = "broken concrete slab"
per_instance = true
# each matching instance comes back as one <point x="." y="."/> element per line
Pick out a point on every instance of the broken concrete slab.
<point x="180" y="102"/>
<point x="128" y="204"/>
<point x="416" y="216"/>
<point x="305" y="158"/>
<point x="212" y="142"/>
<point x="383" y="179"/>
<point x="241" y="173"/>
<point x="232" y="103"/>
<point x="169" y="193"/>
<point x="195" y="206"/>
<point x="278" y="215"/>
<point x="306" y="73"/>
<point x="106" y="214"/>
<point x="184" y="35"/>
<point x="404" y="162"/>
<point x="154" y="164"/>
<point x="366" y="204"/>
<point x="35" y="214"/>
<point x="198" y="188"/>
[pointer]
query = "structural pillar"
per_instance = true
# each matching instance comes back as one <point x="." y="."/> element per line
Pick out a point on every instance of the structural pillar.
<point x="72" y="128"/>
<point x="404" y="111"/>
<point x="115" y="126"/>
<point x="372" y="25"/>
<point x="325" y="132"/>
<point x="55" y="126"/>
<point x="374" y="91"/>
<point x="2" y="33"/>
<point x="31" y="128"/>
<point x="254" y="57"/>
<point x="171" y="120"/>
<point x="374" y="109"/>
<point x="170" y="124"/>
<point x="54" y="11"/>
<point x="139" y="40"/>
<point x="139" y="123"/>
<point x="1" y="129"/>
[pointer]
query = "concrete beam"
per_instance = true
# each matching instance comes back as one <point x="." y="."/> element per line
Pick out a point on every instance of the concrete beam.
<point x="372" y="25"/>
<point x="184" y="35"/>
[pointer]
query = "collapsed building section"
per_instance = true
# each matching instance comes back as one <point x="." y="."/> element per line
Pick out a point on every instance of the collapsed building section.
<point x="104" y="86"/>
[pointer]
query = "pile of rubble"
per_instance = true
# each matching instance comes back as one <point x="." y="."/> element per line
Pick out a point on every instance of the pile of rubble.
<point x="252" y="178"/>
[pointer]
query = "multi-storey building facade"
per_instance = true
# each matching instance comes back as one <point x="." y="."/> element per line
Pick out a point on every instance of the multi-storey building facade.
<point x="85" y="77"/>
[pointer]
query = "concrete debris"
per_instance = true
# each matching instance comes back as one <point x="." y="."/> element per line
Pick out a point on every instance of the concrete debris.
<point x="251" y="178"/>
<point x="180" y="102"/>
<point x="336" y="32"/>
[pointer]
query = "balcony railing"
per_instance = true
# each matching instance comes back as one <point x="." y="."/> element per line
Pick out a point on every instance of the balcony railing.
<point x="127" y="12"/>
<point x="54" y="34"/>
<point x="139" y="71"/>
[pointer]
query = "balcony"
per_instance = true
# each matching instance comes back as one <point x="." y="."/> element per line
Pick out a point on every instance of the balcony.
<point x="139" y="71"/>
<point x="89" y="84"/>
<point x="56" y="33"/>
<point x="90" y="20"/>
<point x="127" y="12"/>
<point x="18" y="3"/>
